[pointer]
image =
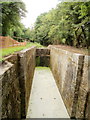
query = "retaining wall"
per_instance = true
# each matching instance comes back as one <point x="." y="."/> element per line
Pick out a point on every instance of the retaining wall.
<point x="10" y="91"/>
<point x="71" y="74"/>
<point x="26" y="71"/>
<point x="43" y="57"/>
<point x="16" y="74"/>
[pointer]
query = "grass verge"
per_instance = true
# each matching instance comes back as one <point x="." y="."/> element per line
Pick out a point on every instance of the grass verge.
<point x="7" y="51"/>
<point x="42" y="68"/>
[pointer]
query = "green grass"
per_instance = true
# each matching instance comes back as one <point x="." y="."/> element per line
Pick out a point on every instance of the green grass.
<point x="7" y="51"/>
<point x="36" y="44"/>
<point x="42" y="68"/>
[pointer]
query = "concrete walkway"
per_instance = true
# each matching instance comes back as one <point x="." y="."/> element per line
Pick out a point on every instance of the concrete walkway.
<point x="45" y="99"/>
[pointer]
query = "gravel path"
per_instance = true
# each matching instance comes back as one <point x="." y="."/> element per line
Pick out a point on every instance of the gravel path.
<point x="45" y="99"/>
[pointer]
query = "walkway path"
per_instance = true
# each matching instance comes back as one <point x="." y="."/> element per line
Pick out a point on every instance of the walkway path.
<point x="45" y="99"/>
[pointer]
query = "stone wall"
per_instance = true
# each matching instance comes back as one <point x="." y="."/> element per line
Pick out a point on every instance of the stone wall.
<point x="10" y="89"/>
<point x="26" y="71"/>
<point x="16" y="73"/>
<point x="83" y="102"/>
<point x="71" y="74"/>
<point x="43" y="57"/>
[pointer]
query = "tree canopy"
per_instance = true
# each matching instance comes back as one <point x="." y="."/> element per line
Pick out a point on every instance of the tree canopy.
<point x="12" y="12"/>
<point x="67" y="24"/>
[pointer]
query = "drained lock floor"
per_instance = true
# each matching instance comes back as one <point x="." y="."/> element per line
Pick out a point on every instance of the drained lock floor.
<point x="45" y="99"/>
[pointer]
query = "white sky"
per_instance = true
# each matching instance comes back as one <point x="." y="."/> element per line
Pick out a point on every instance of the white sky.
<point x="35" y="8"/>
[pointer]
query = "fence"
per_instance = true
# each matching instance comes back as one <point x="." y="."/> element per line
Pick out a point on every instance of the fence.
<point x="7" y="41"/>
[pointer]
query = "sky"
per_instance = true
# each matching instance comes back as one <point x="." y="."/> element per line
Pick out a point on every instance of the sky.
<point x="35" y="8"/>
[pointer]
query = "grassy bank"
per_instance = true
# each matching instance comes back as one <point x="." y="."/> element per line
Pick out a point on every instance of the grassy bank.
<point x="7" y="51"/>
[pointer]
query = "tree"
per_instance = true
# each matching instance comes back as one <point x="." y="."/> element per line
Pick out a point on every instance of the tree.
<point x="12" y="12"/>
<point x="67" y="24"/>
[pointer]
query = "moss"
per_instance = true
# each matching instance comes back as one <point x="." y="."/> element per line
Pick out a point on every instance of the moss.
<point x="43" y="61"/>
<point x="38" y="61"/>
<point x="42" y="68"/>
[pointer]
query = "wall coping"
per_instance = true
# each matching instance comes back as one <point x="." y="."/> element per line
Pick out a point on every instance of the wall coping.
<point x="68" y="51"/>
<point x="24" y="50"/>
